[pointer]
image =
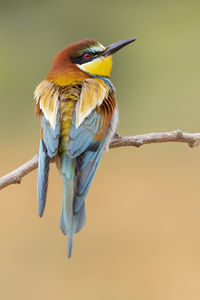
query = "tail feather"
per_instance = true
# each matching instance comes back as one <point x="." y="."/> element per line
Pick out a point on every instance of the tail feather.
<point x="70" y="245"/>
<point x="70" y="222"/>
<point x="43" y="174"/>
<point x="66" y="219"/>
<point x="78" y="222"/>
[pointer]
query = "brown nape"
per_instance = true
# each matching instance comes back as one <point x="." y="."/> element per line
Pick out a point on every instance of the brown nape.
<point x="62" y="64"/>
<point x="63" y="56"/>
<point x="76" y="48"/>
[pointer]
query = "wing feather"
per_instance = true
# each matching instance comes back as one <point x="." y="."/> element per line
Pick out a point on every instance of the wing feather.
<point x="86" y="145"/>
<point x="47" y="101"/>
<point x="93" y="93"/>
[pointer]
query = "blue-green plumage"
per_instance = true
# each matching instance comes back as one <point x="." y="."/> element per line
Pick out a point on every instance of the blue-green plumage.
<point x="51" y="135"/>
<point x="70" y="222"/>
<point x="43" y="174"/>
<point x="66" y="220"/>
<point x="48" y="149"/>
<point x="82" y="138"/>
<point x="78" y="167"/>
<point x="87" y="152"/>
<point x="86" y="165"/>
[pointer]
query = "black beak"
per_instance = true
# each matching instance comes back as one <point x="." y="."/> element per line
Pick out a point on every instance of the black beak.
<point x="111" y="49"/>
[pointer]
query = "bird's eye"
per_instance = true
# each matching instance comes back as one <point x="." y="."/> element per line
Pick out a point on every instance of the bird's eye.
<point x="87" y="55"/>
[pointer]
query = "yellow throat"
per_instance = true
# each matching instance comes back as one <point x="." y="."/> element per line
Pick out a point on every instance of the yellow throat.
<point x="100" y="66"/>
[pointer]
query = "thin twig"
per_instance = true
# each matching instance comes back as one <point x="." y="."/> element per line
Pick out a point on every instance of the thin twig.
<point x="192" y="139"/>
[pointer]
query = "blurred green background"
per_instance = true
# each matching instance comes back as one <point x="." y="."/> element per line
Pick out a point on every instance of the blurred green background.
<point x="142" y="235"/>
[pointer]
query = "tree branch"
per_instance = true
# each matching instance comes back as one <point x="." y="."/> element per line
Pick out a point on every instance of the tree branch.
<point x="17" y="175"/>
<point x="192" y="139"/>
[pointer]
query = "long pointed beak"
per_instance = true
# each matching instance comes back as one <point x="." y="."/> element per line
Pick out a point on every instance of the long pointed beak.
<point x="111" y="49"/>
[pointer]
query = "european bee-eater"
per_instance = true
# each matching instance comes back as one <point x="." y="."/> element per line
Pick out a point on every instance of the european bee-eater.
<point x="78" y="116"/>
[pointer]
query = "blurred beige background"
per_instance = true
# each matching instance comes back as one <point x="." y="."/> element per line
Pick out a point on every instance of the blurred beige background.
<point x="142" y="236"/>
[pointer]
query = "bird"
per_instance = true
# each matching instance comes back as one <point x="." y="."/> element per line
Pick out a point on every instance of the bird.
<point x="78" y="115"/>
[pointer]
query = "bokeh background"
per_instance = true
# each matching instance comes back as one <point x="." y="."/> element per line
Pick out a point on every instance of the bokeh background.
<point x="142" y="236"/>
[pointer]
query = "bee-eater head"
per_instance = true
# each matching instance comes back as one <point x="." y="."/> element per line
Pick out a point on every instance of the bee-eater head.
<point x="95" y="59"/>
<point x="84" y="58"/>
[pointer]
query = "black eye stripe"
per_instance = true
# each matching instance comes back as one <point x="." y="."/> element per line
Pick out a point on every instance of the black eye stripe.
<point x="81" y="59"/>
